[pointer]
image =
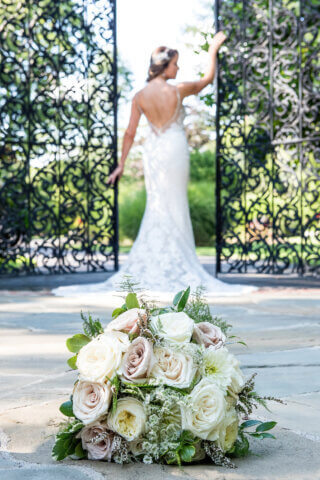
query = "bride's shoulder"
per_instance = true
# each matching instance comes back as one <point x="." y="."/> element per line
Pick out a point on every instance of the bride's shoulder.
<point x="139" y="94"/>
<point x="191" y="88"/>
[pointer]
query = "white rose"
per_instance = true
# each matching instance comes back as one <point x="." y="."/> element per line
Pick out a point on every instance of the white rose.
<point x="223" y="368"/>
<point x="228" y="430"/>
<point x="173" y="368"/>
<point x="91" y="400"/>
<point x="175" y="326"/>
<point x="205" y="410"/>
<point x="101" y="357"/>
<point x="129" y="418"/>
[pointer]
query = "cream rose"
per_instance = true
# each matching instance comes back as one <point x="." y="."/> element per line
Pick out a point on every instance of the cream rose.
<point x="98" y="441"/>
<point x="228" y="431"/>
<point x="138" y="361"/>
<point x="205" y="410"/>
<point x="101" y="357"/>
<point x="208" y="335"/>
<point x="174" y="327"/>
<point x="129" y="418"/>
<point x="127" y="321"/>
<point x="91" y="400"/>
<point x="173" y="368"/>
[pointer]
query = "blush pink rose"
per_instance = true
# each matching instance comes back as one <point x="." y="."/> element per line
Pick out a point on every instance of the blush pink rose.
<point x="98" y="440"/>
<point x="127" y="321"/>
<point x="208" y="335"/>
<point x="138" y="361"/>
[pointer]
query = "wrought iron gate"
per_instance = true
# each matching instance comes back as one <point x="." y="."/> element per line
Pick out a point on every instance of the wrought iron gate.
<point x="58" y="136"/>
<point x="268" y="137"/>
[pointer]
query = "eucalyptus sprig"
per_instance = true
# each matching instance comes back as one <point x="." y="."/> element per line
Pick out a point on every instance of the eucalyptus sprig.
<point x="241" y="447"/>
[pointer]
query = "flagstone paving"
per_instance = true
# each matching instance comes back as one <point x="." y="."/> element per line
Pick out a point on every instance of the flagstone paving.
<point x="281" y="327"/>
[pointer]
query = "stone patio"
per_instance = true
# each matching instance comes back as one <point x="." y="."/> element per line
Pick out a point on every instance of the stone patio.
<point x="281" y="326"/>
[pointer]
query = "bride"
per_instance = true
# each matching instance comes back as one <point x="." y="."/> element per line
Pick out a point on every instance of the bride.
<point x="163" y="257"/>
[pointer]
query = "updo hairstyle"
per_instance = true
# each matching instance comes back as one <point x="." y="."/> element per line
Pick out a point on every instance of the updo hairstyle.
<point x="159" y="60"/>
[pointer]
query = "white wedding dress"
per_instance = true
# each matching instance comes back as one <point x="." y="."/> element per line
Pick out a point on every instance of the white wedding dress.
<point x="163" y="257"/>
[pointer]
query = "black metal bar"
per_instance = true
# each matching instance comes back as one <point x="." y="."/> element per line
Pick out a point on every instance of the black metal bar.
<point x="270" y="58"/>
<point x="301" y="263"/>
<point x="115" y="110"/>
<point x="218" y="171"/>
<point x="244" y="133"/>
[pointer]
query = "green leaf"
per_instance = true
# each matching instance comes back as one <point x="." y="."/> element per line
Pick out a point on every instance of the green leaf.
<point x="186" y="436"/>
<point x="132" y="301"/>
<point x="187" y="453"/>
<point x="79" y="452"/>
<point x="117" y="312"/>
<point x="72" y="446"/>
<point x="72" y="362"/>
<point x="75" y="427"/>
<point x="59" y="451"/>
<point x="249" y="423"/>
<point x="132" y="336"/>
<point x="265" y="426"/>
<point x="163" y="310"/>
<point x="66" y="440"/>
<point x="75" y="343"/>
<point x="183" y="300"/>
<point x="67" y="409"/>
<point x="262" y="435"/>
<point x="241" y="447"/>
<point x="177" y="297"/>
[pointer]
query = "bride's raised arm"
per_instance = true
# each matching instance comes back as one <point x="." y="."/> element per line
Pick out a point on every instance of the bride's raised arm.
<point x="192" y="88"/>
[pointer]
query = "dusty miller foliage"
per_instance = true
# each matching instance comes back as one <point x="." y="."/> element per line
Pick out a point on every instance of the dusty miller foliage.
<point x="198" y="309"/>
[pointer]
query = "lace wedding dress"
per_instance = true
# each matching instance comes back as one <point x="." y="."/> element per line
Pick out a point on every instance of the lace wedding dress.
<point x="163" y="257"/>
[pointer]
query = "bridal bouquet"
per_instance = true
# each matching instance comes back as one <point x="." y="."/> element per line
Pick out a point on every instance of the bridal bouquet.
<point x="158" y="385"/>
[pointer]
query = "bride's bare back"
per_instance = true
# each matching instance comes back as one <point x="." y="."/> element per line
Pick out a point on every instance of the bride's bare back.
<point x="160" y="104"/>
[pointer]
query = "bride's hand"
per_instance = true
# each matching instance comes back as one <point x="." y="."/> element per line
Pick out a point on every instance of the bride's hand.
<point x="117" y="172"/>
<point x="217" y="41"/>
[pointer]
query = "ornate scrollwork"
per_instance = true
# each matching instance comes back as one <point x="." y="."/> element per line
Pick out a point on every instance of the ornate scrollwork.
<point x="268" y="137"/>
<point x="58" y="138"/>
